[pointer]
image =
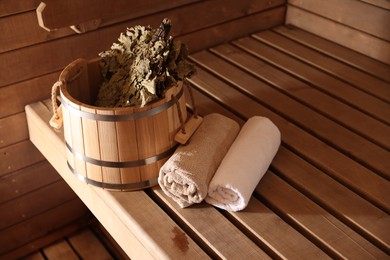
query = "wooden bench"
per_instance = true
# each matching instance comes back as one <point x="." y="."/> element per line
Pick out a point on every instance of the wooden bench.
<point x="326" y="194"/>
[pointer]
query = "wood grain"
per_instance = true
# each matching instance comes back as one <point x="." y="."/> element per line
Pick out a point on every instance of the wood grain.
<point x="364" y="82"/>
<point x="58" y="14"/>
<point x="225" y="238"/>
<point x="338" y="52"/>
<point x="49" y="238"/>
<point x="79" y="46"/>
<point x="322" y="127"/>
<point x="18" y="156"/>
<point x="19" y="132"/>
<point x="380" y="3"/>
<point x="323" y="228"/>
<point x="282" y="240"/>
<point x="25" y="180"/>
<point x="346" y="205"/>
<point x="333" y="87"/>
<point x="40" y="225"/>
<point x="87" y="245"/>
<point x="348" y="37"/>
<point x="317" y="186"/>
<point x="9" y="7"/>
<point x="60" y="250"/>
<point x="336" y="110"/>
<point x="228" y="31"/>
<point x="344" y="169"/>
<point x="12" y="102"/>
<point x="368" y="18"/>
<point x="34" y="203"/>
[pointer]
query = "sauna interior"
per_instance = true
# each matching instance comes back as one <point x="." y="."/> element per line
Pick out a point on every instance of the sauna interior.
<point x="320" y="70"/>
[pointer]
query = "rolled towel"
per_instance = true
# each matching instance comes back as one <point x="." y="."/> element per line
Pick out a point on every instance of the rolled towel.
<point x="244" y="164"/>
<point x="187" y="173"/>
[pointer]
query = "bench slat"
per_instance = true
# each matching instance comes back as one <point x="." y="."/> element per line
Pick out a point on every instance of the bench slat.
<point x="322" y="127"/>
<point x="60" y="250"/>
<point x="336" y="110"/>
<point x="219" y="235"/>
<point x="88" y="246"/>
<point x="314" y="222"/>
<point x="343" y="72"/>
<point x="336" y="51"/>
<point x="336" y="198"/>
<point x="267" y="233"/>
<point x="352" y="174"/>
<point x="323" y="81"/>
<point x="282" y="240"/>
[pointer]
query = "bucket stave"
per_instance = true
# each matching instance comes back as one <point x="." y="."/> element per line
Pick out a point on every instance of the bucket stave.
<point x="116" y="148"/>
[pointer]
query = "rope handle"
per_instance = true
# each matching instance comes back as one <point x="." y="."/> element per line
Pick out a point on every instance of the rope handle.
<point x="192" y="124"/>
<point x="56" y="119"/>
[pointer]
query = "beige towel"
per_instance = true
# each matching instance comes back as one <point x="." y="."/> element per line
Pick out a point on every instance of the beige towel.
<point x="244" y="164"/>
<point x="186" y="175"/>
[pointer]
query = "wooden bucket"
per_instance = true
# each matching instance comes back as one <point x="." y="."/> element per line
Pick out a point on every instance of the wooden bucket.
<point x="116" y="148"/>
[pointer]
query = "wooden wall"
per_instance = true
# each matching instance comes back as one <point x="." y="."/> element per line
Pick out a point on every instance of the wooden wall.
<point x="35" y="204"/>
<point x="361" y="25"/>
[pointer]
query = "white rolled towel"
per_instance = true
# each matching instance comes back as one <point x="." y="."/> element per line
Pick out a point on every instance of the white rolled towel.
<point x="186" y="175"/>
<point x="244" y="165"/>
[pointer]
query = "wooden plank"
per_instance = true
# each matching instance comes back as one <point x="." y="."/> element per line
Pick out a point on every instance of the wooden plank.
<point x="40" y="225"/>
<point x="281" y="240"/>
<point x="128" y="150"/>
<point x="60" y="250"/>
<point x="364" y="82"/>
<point x="385" y="4"/>
<point x="336" y="198"/>
<point x="58" y="14"/>
<point x="11" y="26"/>
<point x="12" y="101"/>
<point x="18" y="156"/>
<point x="27" y="22"/>
<point x="225" y="32"/>
<point x="23" y="181"/>
<point x="322" y="81"/>
<point x="319" y="187"/>
<point x="34" y="256"/>
<point x="354" y="120"/>
<point x="9" y="7"/>
<point x="361" y="42"/>
<point x="338" y="52"/>
<point x="49" y="238"/>
<point x="110" y="244"/>
<point x="21" y="30"/>
<point x="146" y="147"/>
<point x="75" y="47"/>
<point x="88" y="246"/>
<point x="127" y="211"/>
<point x="224" y="241"/>
<point x="94" y="172"/>
<point x="108" y="140"/>
<point x="367" y="18"/>
<point x="19" y="132"/>
<point x="34" y="203"/>
<point x="342" y="168"/>
<point x="322" y="228"/>
<point x="322" y="127"/>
